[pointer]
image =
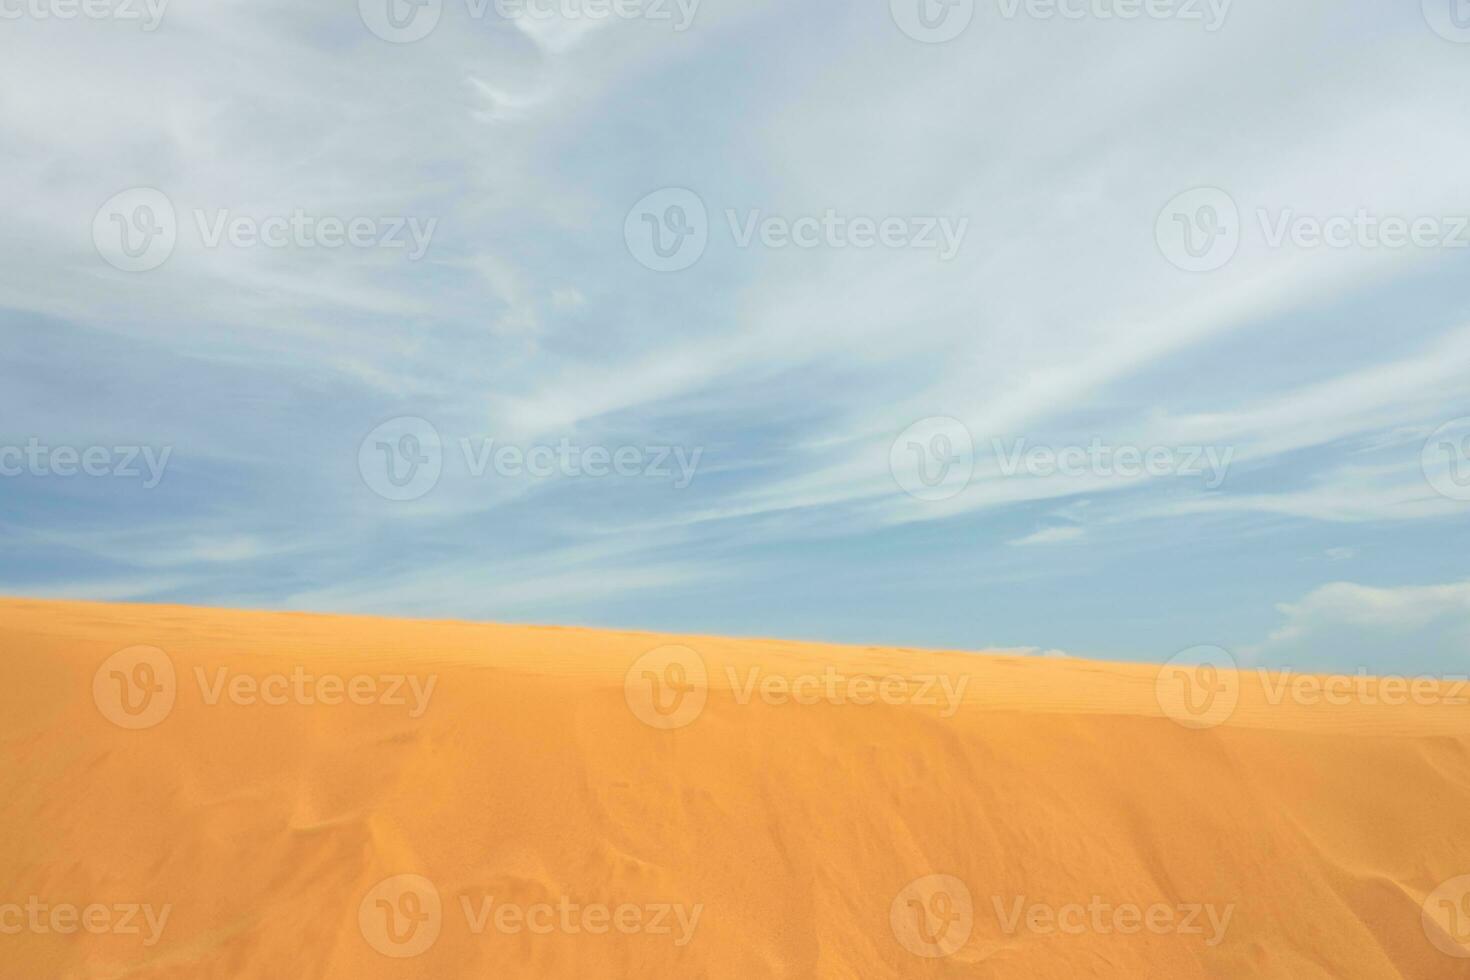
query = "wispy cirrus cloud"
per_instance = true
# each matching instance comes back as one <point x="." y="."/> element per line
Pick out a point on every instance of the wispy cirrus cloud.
<point x="1057" y="320"/>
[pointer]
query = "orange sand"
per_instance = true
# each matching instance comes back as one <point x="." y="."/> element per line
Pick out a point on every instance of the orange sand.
<point x="542" y="803"/>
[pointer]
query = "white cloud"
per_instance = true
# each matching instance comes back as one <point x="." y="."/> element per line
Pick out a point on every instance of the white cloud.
<point x="1038" y="652"/>
<point x="1050" y="535"/>
<point x="1399" y="630"/>
<point x="1057" y="321"/>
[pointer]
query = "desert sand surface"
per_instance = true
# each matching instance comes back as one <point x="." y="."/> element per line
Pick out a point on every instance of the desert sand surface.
<point x="198" y="793"/>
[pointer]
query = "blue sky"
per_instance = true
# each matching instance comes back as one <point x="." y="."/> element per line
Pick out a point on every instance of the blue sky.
<point x="1064" y="155"/>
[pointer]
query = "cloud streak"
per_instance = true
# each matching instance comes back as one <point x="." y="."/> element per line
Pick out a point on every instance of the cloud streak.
<point x="1057" y="319"/>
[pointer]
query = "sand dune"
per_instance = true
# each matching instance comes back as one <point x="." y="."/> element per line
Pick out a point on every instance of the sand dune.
<point x="200" y="793"/>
